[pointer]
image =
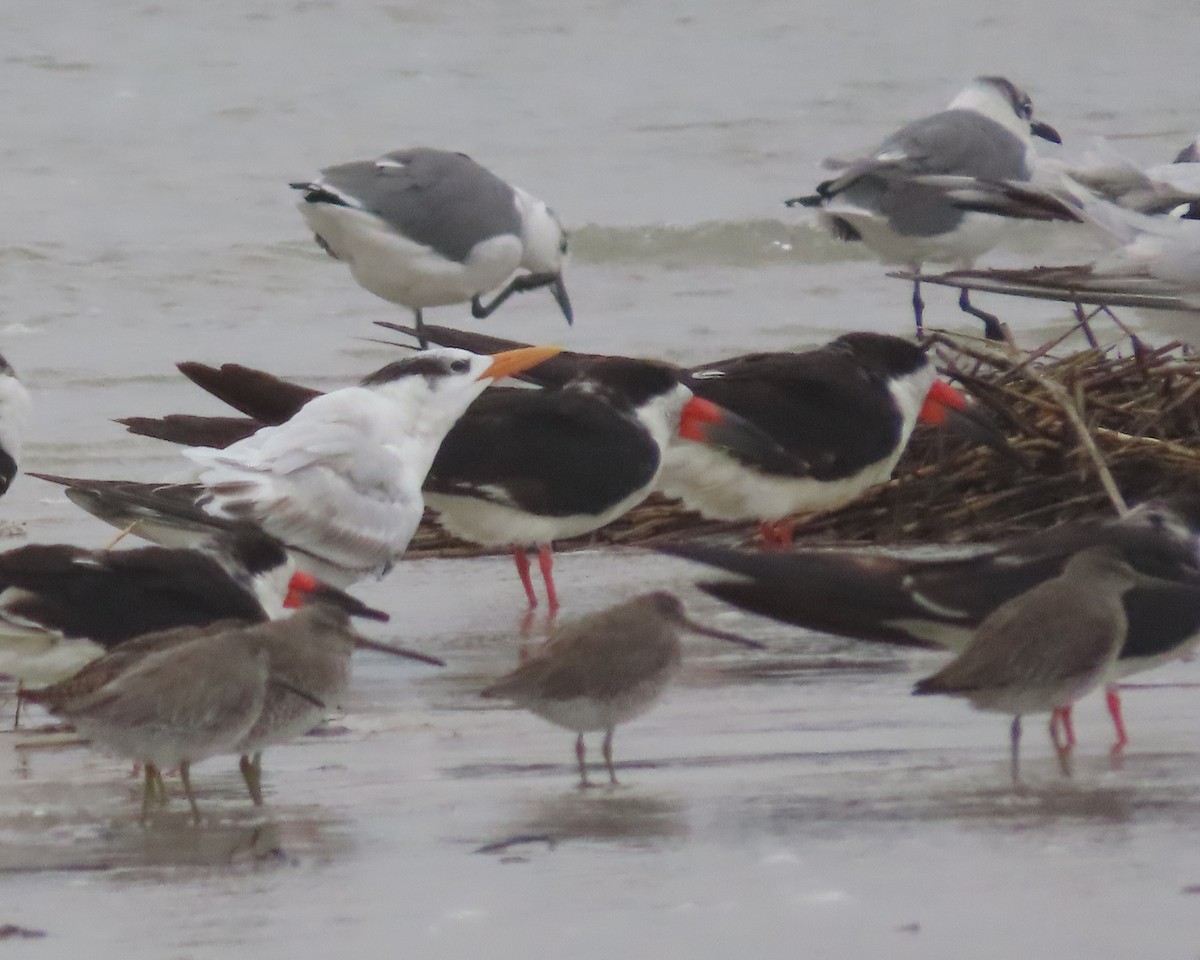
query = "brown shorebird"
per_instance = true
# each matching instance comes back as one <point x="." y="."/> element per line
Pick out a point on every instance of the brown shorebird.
<point x="598" y="672"/>
<point x="310" y="652"/>
<point x="173" y="698"/>
<point x="192" y="696"/>
<point x="1044" y="649"/>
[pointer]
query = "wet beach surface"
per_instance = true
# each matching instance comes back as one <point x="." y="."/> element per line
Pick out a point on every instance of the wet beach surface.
<point x="792" y="802"/>
<point x="794" y="795"/>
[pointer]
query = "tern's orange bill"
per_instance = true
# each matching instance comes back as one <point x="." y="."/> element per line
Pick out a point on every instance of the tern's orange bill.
<point x="512" y="362"/>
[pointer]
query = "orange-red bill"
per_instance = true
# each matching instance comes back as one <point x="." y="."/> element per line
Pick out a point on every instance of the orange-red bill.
<point x="511" y="362"/>
<point x="941" y="396"/>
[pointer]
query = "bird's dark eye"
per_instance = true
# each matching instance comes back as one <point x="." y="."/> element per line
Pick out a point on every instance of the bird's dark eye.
<point x="1027" y="109"/>
<point x="562" y="246"/>
<point x="460" y="366"/>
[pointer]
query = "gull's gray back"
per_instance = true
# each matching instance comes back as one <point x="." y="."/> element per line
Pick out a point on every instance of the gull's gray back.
<point x="437" y="198"/>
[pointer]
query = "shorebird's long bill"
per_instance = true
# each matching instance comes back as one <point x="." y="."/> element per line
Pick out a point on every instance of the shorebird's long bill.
<point x="1045" y="131"/>
<point x="706" y="422"/>
<point x="396" y="651"/>
<point x="559" y="289"/>
<point x="704" y="631"/>
<point x="945" y="406"/>
<point x="511" y="362"/>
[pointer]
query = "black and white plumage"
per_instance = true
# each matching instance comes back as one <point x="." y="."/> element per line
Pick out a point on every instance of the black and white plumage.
<point x="426" y="228"/>
<point x="938" y="603"/>
<point x="836" y="420"/>
<point x="521" y="468"/>
<point x="61" y="606"/>
<point x="15" y="410"/>
<point x="1044" y="649"/>
<point x="986" y="132"/>
<point x="339" y="484"/>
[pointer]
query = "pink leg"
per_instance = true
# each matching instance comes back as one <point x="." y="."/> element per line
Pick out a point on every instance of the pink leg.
<point x="522" y="562"/>
<point x="1113" y="699"/>
<point x="1055" y="720"/>
<point x="546" y="562"/>
<point x="1068" y="725"/>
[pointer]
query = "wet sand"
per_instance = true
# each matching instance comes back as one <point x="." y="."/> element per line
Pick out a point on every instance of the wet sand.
<point x="796" y="801"/>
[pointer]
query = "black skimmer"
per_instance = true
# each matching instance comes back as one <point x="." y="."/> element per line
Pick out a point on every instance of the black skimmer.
<point x="339" y="484"/>
<point x="15" y="410"/>
<point x="985" y="132"/>
<point x="1044" y="649"/>
<point x="604" y="669"/>
<point x="523" y="468"/>
<point x="62" y="606"/>
<point x="839" y="417"/>
<point x="426" y="228"/>
<point x="176" y="697"/>
<point x="518" y="468"/>
<point x="938" y="603"/>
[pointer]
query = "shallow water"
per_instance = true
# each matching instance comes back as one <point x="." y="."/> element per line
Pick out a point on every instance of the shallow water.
<point x="797" y="800"/>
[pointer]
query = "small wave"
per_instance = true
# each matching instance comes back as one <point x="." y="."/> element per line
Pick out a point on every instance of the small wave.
<point x="747" y="243"/>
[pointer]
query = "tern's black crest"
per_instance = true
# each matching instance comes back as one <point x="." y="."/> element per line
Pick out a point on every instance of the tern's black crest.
<point x="431" y="366"/>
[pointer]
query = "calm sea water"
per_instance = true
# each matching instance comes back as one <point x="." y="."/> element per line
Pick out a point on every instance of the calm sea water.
<point x="144" y="163"/>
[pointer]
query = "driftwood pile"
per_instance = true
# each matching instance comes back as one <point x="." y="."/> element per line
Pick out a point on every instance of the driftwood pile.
<point x="1091" y="430"/>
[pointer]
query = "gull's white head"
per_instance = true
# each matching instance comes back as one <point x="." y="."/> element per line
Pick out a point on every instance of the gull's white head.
<point x="999" y="99"/>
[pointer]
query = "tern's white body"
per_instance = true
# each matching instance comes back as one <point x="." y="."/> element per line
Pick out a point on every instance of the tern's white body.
<point x="340" y="482"/>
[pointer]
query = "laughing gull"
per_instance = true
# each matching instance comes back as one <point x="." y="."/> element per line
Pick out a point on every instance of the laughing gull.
<point x="339" y="484"/>
<point x="1044" y="649"/>
<point x="426" y="228"/>
<point x="923" y="601"/>
<point x="605" y="669"/>
<point x="1172" y="188"/>
<point x="986" y="132"/>
<point x="1154" y="268"/>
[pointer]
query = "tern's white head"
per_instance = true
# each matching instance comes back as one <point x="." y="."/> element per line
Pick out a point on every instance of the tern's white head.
<point x="999" y="99"/>
<point x="433" y="388"/>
